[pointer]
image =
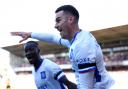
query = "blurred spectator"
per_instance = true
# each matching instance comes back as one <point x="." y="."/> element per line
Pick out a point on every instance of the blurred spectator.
<point x="116" y="57"/>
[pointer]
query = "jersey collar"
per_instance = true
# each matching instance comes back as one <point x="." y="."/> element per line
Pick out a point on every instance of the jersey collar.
<point x="75" y="37"/>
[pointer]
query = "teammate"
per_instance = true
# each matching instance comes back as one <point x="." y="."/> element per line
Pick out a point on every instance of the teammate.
<point x="84" y="52"/>
<point x="47" y="74"/>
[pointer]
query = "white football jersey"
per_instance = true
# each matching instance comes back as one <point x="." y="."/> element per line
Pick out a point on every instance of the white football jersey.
<point x="86" y="58"/>
<point x="47" y="76"/>
<point x="86" y="55"/>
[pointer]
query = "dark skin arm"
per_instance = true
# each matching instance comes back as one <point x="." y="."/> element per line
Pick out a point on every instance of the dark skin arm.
<point x="69" y="84"/>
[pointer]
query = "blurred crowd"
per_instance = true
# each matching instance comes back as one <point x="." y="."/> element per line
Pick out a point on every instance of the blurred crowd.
<point x="115" y="57"/>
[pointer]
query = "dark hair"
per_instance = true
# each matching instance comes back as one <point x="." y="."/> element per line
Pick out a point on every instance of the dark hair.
<point x="31" y="44"/>
<point x="70" y="9"/>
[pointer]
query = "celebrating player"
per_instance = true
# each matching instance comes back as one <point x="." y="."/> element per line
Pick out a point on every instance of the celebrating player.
<point x="47" y="74"/>
<point x="85" y="53"/>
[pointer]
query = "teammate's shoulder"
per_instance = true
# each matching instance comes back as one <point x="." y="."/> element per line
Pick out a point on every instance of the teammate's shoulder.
<point x="49" y="62"/>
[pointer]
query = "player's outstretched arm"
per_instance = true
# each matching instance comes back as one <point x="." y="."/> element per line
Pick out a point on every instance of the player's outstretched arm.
<point x="24" y="35"/>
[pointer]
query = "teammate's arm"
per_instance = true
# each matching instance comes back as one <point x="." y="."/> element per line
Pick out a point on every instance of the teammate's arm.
<point x="59" y="75"/>
<point x="69" y="84"/>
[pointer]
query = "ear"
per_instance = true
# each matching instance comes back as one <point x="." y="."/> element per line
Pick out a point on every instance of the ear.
<point x="71" y="19"/>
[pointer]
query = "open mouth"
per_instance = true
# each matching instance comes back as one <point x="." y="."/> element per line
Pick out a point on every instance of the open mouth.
<point x="30" y="60"/>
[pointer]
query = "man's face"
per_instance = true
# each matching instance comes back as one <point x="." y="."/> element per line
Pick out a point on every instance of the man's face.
<point x="31" y="54"/>
<point x="62" y="24"/>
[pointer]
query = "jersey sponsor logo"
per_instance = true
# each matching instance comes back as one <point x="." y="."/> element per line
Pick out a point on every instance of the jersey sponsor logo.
<point x="43" y="75"/>
<point x="85" y="60"/>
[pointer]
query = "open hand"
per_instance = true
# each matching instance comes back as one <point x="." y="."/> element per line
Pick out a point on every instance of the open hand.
<point x="24" y="35"/>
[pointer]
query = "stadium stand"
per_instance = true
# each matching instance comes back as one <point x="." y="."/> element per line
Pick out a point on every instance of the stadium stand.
<point x="114" y="43"/>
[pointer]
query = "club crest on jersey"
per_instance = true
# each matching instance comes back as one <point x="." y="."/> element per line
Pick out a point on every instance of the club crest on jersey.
<point x="43" y="75"/>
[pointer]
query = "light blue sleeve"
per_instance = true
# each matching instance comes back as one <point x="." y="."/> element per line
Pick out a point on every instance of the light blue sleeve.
<point x="50" y="38"/>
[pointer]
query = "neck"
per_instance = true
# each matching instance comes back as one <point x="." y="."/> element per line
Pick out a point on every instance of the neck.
<point x="38" y="63"/>
<point x="74" y="30"/>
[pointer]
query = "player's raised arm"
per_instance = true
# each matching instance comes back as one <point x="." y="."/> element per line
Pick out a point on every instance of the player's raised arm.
<point x="46" y="37"/>
<point x="24" y="35"/>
